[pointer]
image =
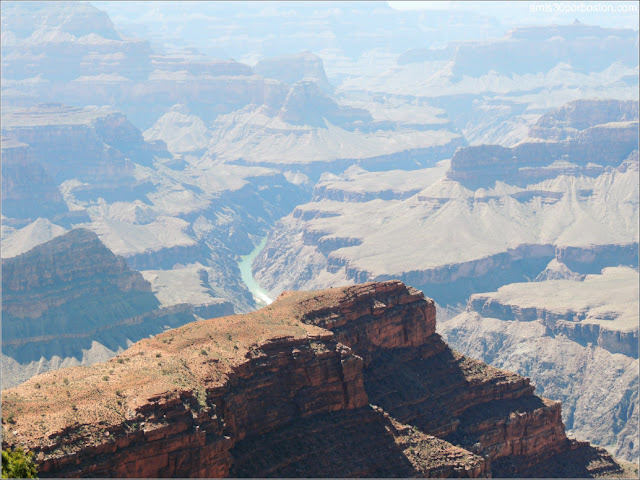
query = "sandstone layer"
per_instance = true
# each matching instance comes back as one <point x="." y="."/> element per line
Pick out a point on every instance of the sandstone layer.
<point x="262" y="394"/>
<point x="64" y="295"/>
<point x="578" y="340"/>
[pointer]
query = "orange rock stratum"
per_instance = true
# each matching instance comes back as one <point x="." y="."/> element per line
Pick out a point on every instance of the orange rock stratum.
<point x="349" y="381"/>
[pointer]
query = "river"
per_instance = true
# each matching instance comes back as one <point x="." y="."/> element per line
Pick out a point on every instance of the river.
<point x="259" y="293"/>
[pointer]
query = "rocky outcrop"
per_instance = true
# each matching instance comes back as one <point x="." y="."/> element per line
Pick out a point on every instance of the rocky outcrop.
<point x="529" y="162"/>
<point x="277" y="393"/>
<point x="65" y="294"/>
<point x="293" y="68"/>
<point x="578" y="340"/>
<point x="28" y="191"/>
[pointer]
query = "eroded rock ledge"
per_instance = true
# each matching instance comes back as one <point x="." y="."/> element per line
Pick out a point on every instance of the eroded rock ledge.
<point x="291" y="390"/>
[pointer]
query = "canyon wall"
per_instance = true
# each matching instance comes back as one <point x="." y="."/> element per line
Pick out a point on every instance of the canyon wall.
<point x="277" y="393"/>
<point x="65" y="295"/>
<point x="578" y="340"/>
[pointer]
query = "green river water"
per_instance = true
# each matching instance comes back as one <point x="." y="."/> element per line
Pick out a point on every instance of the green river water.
<point x="259" y="293"/>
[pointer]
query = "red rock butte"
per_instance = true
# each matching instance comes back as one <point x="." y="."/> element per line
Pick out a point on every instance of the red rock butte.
<point x="342" y="382"/>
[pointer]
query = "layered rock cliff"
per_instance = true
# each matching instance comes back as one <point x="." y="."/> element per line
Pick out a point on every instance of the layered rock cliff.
<point x="94" y="147"/>
<point x="71" y="300"/>
<point x="279" y="392"/>
<point x="578" y="340"/>
<point x="28" y="191"/>
<point x="583" y="137"/>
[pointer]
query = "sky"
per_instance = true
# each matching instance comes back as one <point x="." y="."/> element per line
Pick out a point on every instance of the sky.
<point x="249" y="31"/>
<point x="604" y="13"/>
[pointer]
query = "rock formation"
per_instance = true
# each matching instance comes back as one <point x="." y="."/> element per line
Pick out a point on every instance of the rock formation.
<point x="580" y="138"/>
<point x="293" y="68"/>
<point x="95" y="147"/>
<point x="578" y="340"/>
<point x="290" y="390"/>
<point x="28" y="191"/>
<point x="64" y="295"/>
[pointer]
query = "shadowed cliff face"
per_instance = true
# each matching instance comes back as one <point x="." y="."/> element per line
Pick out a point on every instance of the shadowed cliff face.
<point x="28" y="191"/>
<point x="288" y="391"/>
<point x="577" y="339"/>
<point x="63" y="295"/>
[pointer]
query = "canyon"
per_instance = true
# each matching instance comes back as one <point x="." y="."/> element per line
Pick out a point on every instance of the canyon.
<point x="71" y="301"/>
<point x="489" y="216"/>
<point x="289" y="381"/>
<point x="486" y="165"/>
<point x="577" y="338"/>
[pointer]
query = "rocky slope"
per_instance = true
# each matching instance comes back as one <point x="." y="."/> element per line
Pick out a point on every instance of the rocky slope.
<point x="71" y="300"/>
<point x="447" y="238"/>
<point x="577" y="339"/>
<point x="261" y="394"/>
<point x="91" y="168"/>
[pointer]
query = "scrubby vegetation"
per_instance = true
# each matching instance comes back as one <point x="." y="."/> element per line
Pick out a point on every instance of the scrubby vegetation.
<point x="18" y="464"/>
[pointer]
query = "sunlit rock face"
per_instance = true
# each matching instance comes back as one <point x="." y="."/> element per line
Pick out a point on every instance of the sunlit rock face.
<point x="294" y="68"/>
<point x="260" y="394"/>
<point x="578" y="339"/>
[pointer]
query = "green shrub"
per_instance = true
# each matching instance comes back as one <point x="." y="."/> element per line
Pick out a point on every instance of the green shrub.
<point x="18" y="464"/>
